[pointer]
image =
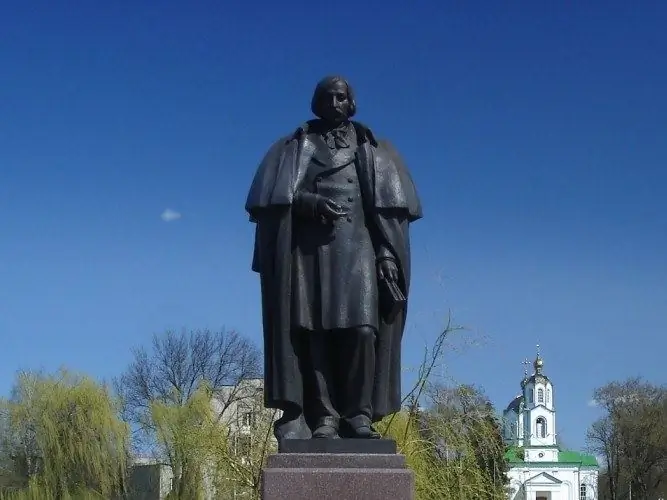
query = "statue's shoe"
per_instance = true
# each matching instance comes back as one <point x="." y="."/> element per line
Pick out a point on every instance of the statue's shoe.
<point x="326" y="428"/>
<point x="326" y="432"/>
<point x="364" y="432"/>
<point x="360" y="427"/>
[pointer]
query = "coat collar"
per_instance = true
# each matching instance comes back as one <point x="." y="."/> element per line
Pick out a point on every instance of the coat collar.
<point x="363" y="133"/>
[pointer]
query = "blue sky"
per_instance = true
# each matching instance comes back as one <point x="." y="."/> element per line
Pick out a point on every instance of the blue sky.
<point x="536" y="135"/>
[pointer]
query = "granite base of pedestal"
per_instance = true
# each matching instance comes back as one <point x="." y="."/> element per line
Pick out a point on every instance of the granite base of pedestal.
<point x="331" y="473"/>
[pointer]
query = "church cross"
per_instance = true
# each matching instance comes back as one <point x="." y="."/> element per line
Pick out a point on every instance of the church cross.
<point x="525" y="364"/>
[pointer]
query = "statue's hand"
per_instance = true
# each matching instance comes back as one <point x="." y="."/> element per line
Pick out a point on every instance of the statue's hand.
<point x="387" y="269"/>
<point x="315" y="206"/>
<point x="330" y="210"/>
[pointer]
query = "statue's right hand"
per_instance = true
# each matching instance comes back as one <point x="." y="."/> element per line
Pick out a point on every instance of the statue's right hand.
<point x="318" y="207"/>
<point x="329" y="209"/>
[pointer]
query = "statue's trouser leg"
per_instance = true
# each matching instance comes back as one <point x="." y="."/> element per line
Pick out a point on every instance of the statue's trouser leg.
<point x="321" y="398"/>
<point x="355" y="372"/>
<point x="343" y="373"/>
<point x="293" y="424"/>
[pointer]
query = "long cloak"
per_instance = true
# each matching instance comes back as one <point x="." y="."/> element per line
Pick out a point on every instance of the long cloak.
<point x="389" y="196"/>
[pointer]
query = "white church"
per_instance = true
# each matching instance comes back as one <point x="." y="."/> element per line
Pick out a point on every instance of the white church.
<point x="539" y="468"/>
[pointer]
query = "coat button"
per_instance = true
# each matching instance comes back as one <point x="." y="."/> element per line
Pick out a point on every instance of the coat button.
<point x="349" y="198"/>
<point x="350" y="180"/>
<point x="349" y="219"/>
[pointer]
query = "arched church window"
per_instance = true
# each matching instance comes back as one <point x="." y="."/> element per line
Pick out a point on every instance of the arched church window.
<point x="548" y="396"/>
<point x="541" y="427"/>
<point x="531" y="396"/>
<point x="582" y="492"/>
<point x="540" y="395"/>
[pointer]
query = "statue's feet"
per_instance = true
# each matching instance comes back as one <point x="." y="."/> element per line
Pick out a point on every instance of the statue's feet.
<point x="327" y="428"/>
<point x="360" y="427"/>
<point x="365" y="432"/>
<point x="291" y="426"/>
<point x="326" y="432"/>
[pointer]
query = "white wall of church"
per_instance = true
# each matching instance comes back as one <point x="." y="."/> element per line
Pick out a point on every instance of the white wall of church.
<point x="539" y="393"/>
<point x="559" y="483"/>
<point x="541" y="454"/>
<point x="540" y="426"/>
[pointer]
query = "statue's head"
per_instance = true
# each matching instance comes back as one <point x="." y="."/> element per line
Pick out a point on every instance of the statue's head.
<point x="333" y="100"/>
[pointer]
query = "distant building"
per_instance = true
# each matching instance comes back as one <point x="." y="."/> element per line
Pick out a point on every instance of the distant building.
<point x="242" y="407"/>
<point x="149" y="480"/>
<point x="539" y="468"/>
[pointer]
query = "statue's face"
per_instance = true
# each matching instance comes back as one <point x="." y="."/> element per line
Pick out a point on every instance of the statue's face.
<point x="335" y="104"/>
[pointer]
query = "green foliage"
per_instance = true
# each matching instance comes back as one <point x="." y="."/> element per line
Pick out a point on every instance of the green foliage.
<point x="190" y="436"/>
<point x="455" y="446"/>
<point x="456" y="452"/>
<point x="203" y="450"/>
<point x="404" y="428"/>
<point x="63" y="439"/>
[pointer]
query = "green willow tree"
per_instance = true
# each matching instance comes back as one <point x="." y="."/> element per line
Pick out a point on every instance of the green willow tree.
<point x="209" y="454"/>
<point x="191" y="437"/>
<point x="445" y="452"/>
<point x="62" y="439"/>
<point x="454" y="445"/>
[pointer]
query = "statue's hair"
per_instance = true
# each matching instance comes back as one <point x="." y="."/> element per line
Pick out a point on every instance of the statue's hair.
<point x="322" y="86"/>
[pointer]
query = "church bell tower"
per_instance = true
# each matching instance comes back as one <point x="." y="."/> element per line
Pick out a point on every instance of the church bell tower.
<point x="530" y="419"/>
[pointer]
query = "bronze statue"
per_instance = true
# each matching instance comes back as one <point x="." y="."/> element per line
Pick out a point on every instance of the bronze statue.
<point x="332" y="206"/>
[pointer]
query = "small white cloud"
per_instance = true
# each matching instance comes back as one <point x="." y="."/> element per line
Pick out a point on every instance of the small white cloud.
<point x="170" y="215"/>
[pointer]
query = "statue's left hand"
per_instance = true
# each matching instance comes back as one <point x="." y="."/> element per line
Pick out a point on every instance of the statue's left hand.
<point x="388" y="269"/>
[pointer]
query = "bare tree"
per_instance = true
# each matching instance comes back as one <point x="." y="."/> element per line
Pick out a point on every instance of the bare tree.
<point x="631" y="437"/>
<point x="603" y="440"/>
<point x="175" y="368"/>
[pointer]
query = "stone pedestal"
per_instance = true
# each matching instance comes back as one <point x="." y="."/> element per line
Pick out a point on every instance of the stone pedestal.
<point x="341" y="469"/>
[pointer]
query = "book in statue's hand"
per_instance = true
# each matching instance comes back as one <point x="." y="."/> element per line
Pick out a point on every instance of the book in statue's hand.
<point x="392" y="300"/>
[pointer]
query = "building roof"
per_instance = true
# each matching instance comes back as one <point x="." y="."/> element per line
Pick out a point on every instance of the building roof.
<point x="538" y="375"/>
<point x="514" y="456"/>
<point x="515" y="404"/>
<point x="535" y="379"/>
<point x="545" y="476"/>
